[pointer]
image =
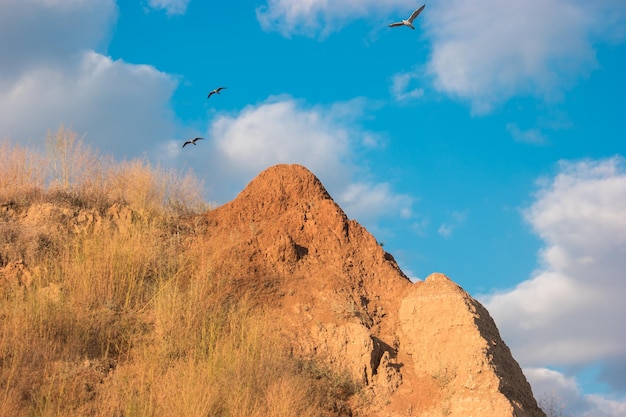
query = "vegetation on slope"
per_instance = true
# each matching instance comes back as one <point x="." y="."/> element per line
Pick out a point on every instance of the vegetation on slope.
<point x="107" y="309"/>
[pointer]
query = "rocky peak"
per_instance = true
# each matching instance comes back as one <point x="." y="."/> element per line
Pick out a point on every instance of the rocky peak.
<point x="425" y="348"/>
<point x="281" y="187"/>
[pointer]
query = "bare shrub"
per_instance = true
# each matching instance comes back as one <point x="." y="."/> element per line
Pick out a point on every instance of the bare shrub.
<point x="70" y="160"/>
<point x="151" y="189"/>
<point x="76" y="173"/>
<point x="76" y="170"/>
<point x="553" y="406"/>
<point x="22" y="174"/>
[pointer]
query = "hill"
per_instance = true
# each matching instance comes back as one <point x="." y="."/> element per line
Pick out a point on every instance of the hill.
<point x="425" y="348"/>
<point x="121" y="297"/>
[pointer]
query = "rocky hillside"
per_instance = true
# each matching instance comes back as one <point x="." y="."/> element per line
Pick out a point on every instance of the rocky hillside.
<point x="418" y="349"/>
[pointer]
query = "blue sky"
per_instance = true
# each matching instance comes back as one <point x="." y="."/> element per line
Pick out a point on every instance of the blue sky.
<point x="487" y="144"/>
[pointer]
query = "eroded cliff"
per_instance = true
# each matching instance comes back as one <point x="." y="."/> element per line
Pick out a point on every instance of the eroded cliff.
<point x="425" y="348"/>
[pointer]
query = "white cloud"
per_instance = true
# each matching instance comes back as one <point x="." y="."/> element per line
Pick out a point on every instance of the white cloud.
<point x="531" y="136"/>
<point x="570" y="313"/>
<point x="445" y="230"/>
<point x="322" y="17"/>
<point x="285" y="130"/>
<point x="325" y="139"/>
<point x="457" y="219"/>
<point x="484" y="52"/>
<point x="601" y="406"/>
<point x="52" y="80"/>
<point x="121" y="107"/>
<point x="76" y="25"/>
<point x="564" y="396"/>
<point x="487" y="51"/>
<point x="400" y="87"/>
<point x="281" y="130"/>
<point x="171" y="7"/>
<point x="367" y="201"/>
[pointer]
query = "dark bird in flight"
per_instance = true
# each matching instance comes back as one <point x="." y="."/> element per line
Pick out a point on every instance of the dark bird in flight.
<point x="192" y="141"/>
<point x="409" y="22"/>
<point x="216" y="91"/>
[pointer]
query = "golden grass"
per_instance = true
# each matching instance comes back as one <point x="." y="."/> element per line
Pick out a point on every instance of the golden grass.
<point x="107" y="310"/>
<point x="21" y="172"/>
<point x="71" y="171"/>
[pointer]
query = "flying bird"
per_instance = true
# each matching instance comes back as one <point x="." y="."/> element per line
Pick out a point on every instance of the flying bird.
<point x="192" y="141"/>
<point x="216" y="91"/>
<point x="409" y="22"/>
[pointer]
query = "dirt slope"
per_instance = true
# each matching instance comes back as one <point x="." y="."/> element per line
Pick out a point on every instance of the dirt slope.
<point x="424" y="348"/>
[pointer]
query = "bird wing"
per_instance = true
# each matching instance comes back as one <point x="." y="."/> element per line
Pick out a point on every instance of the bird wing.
<point x="210" y="94"/>
<point x="221" y="88"/>
<point x="197" y="139"/>
<point x="396" y="24"/>
<point x="416" y="13"/>
<point x="186" y="143"/>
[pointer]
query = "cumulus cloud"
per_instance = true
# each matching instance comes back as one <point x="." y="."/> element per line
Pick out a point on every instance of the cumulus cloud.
<point x="320" y="17"/>
<point x="487" y="51"/>
<point x="563" y="395"/>
<point x="171" y="7"/>
<point x="601" y="406"/>
<point x="570" y="312"/>
<point x="282" y="130"/>
<point x="121" y="107"/>
<point x="325" y="139"/>
<point x="52" y="80"/>
<point x="28" y="24"/>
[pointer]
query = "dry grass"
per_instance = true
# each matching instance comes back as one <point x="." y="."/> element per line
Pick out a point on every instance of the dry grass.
<point x="70" y="171"/>
<point x="21" y="173"/>
<point x="107" y="310"/>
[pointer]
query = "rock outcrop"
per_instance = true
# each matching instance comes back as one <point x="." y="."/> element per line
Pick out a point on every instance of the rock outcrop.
<point x="425" y="348"/>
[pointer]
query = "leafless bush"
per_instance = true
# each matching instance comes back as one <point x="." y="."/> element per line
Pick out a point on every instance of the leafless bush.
<point x="553" y="406"/>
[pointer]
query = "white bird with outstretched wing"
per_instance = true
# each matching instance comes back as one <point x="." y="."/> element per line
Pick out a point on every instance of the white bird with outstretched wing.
<point x="409" y="22"/>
